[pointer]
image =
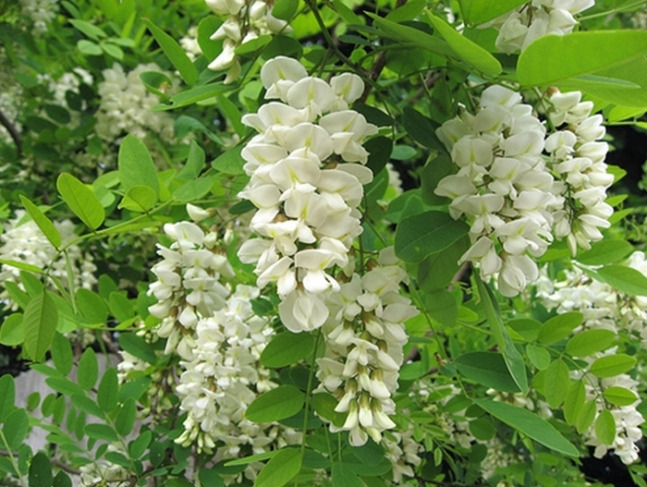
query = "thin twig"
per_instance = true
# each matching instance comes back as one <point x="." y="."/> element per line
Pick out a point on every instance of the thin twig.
<point x="13" y="132"/>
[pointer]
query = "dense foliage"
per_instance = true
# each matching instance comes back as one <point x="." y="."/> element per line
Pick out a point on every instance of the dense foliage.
<point x="336" y="243"/>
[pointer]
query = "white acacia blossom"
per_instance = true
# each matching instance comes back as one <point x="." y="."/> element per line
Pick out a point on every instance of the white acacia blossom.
<point x="577" y="158"/>
<point x="519" y="187"/>
<point x="223" y="378"/>
<point x="365" y="335"/>
<point x="535" y="19"/>
<point x="306" y="169"/>
<point x="188" y="286"/>
<point x="246" y="20"/>
<point x="22" y="241"/>
<point x="125" y="106"/>
<point x="602" y="306"/>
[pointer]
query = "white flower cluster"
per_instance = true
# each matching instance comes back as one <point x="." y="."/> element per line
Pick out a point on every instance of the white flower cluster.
<point x="535" y="19"/>
<point x="125" y="106"/>
<point x="627" y="418"/>
<point x="506" y="190"/>
<point x="190" y="43"/>
<point x="188" y="286"/>
<point x="403" y="451"/>
<point x="22" y="241"/>
<point x="577" y="158"/>
<point x="364" y="336"/>
<point x="10" y="98"/>
<point x="70" y="81"/>
<point x="602" y="306"/>
<point x="224" y="377"/>
<point x="246" y="20"/>
<point x="306" y="175"/>
<point x="39" y="13"/>
<point x="605" y="308"/>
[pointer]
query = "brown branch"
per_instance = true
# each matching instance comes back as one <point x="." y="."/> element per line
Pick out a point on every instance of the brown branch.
<point x="13" y="132"/>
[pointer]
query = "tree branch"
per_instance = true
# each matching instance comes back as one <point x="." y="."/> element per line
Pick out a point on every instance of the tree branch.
<point x="15" y="135"/>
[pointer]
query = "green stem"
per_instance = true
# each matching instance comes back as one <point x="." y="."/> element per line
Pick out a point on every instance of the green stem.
<point x="14" y="464"/>
<point x="624" y="8"/>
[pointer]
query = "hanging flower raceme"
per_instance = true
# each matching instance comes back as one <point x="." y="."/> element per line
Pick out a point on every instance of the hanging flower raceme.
<point x="22" y="241"/>
<point x="577" y="158"/>
<point x="502" y="188"/>
<point x="246" y="20"/>
<point x="519" y="187"/>
<point x="364" y="337"/>
<point x="306" y="169"/>
<point x="188" y="286"/>
<point x="535" y="19"/>
<point x="223" y="378"/>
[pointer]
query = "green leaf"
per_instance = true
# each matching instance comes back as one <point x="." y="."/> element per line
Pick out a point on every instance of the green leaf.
<point x="467" y="50"/>
<point x="284" y="9"/>
<point x="89" y="48"/>
<point x="612" y="365"/>
<point x="194" y="190"/>
<point x="379" y="151"/>
<point x="605" y="427"/>
<point x="538" y="356"/>
<point x="343" y="476"/>
<point x="194" y="95"/>
<point x="175" y="53"/>
<point x="112" y="50"/>
<point x="139" y="199"/>
<point x="559" y="327"/>
<point x="108" y="391"/>
<point x="436" y="271"/>
<point x="12" y="332"/>
<point x="101" y="432"/>
<point x="230" y="162"/>
<point x="586" y="416"/>
<point x="513" y="360"/>
<point x="281" y="468"/>
<point x="125" y="417"/>
<point x="488" y="369"/>
<point x="477" y="12"/>
<point x="276" y="404"/>
<point x="138" y="446"/>
<point x="407" y="11"/>
<point x="557" y="383"/>
<point x="62" y="354"/>
<point x="195" y="163"/>
<point x="620" y="396"/>
<point x="40" y="471"/>
<point x="324" y="404"/>
<point x="482" y="429"/>
<point x="427" y="233"/>
<point x="529" y="424"/>
<point x="605" y="252"/>
<point x="16" y="428"/>
<point x="88" y="369"/>
<point x="574" y="401"/>
<point x="588" y="342"/>
<point x="259" y="457"/>
<point x="45" y="224"/>
<point x="90" y="30"/>
<point x="134" y="389"/>
<point x="91" y="306"/>
<point x="136" y="167"/>
<point x="411" y="36"/>
<point x="81" y="200"/>
<point x="287" y="349"/>
<point x="567" y="61"/>
<point x="137" y="346"/>
<point x="40" y="320"/>
<point x="87" y="405"/>
<point x="624" y="279"/>
<point x="7" y="396"/>
<point x="62" y="480"/>
<point x="421" y="129"/>
<point x="442" y="307"/>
